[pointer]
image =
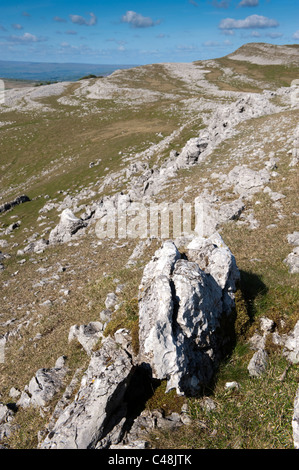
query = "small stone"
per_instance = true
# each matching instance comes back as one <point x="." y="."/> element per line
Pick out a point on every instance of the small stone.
<point x="111" y="300"/>
<point x="258" y="363"/>
<point x="14" y="392"/>
<point x="232" y="385"/>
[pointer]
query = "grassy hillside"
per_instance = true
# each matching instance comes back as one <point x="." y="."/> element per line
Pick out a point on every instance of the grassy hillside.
<point x="66" y="145"/>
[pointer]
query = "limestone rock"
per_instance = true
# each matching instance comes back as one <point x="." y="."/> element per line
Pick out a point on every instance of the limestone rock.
<point x="181" y="307"/>
<point x="87" y="335"/>
<point x="258" y="363"/>
<point x="293" y="238"/>
<point x="38" y="246"/>
<point x="68" y="226"/>
<point x="191" y="152"/>
<point x="6" y="421"/>
<point x="9" y="205"/>
<point x="247" y="181"/>
<point x="111" y="300"/>
<point x="292" y="261"/>
<point x="44" y="385"/>
<point x="291" y="345"/>
<point x="86" y="420"/>
<point x="295" y="421"/>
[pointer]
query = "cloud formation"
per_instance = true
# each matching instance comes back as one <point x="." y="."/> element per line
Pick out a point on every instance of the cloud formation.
<point x="138" y="21"/>
<point x="249" y="3"/>
<point x="25" y="39"/>
<point x="59" y="20"/>
<point x="296" y="35"/>
<point x="17" y="26"/>
<point x="221" y="3"/>
<point x="82" y="21"/>
<point x="253" y="21"/>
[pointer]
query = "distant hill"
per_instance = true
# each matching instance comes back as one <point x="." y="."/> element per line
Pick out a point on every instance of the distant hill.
<point x="267" y="54"/>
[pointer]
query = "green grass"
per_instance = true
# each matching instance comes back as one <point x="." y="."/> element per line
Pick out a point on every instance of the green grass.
<point x="257" y="415"/>
<point x="263" y="76"/>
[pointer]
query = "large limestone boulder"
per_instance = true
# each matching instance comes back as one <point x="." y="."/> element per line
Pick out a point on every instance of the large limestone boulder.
<point x="295" y="421"/>
<point x="44" y="385"/>
<point x="87" y="335"/>
<point x="87" y="419"/>
<point x="247" y="181"/>
<point x="68" y="226"/>
<point x="184" y="308"/>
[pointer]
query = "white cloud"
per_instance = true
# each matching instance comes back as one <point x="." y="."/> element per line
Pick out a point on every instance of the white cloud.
<point x="228" y="32"/>
<point x="296" y="35"/>
<point x="221" y="3"/>
<point x="210" y="44"/>
<point x="138" y="21"/>
<point x="25" y="39"/>
<point x="274" y="35"/>
<point x="253" y="21"/>
<point x="59" y="20"/>
<point x="249" y="3"/>
<point x="17" y="26"/>
<point x="82" y="21"/>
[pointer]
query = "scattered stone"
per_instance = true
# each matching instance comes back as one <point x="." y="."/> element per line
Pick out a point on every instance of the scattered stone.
<point x="292" y="261"/>
<point x="44" y="385"/>
<point x="291" y="345"/>
<point x="12" y="227"/>
<point x="86" y="421"/>
<point x="295" y="421"/>
<point x="87" y="335"/>
<point x="293" y="238"/>
<point x="208" y="404"/>
<point x="232" y="385"/>
<point x="68" y="226"/>
<point x="247" y="181"/>
<point x="111" y="300"/>
<point x="9" y="205"/>
<point x="14" y="393"/>
<point x="258" y="363"/>
<point x="6" y="421"/>
<point x="38" y="246"/>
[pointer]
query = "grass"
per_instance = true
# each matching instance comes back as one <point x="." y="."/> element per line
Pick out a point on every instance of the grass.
<point x="260" y="76"/>
<point x="257" y="415"/>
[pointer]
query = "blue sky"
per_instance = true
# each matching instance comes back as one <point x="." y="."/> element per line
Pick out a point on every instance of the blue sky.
<point x="141" y="32"/>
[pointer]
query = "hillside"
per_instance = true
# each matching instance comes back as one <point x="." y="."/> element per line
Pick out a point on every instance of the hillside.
<point x="267" y="54"/>
<point x="221" y="133"/>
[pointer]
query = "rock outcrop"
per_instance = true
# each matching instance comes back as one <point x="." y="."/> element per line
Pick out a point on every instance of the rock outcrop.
<point x="184" y="310"/>
<point x="68" y="226"/>
<point x="44" y="385"/>
<point x="94" y="411"/>
<point x="295" y="421"/>
<point x="9" y="205"/>
<point x="292" y="260"/>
